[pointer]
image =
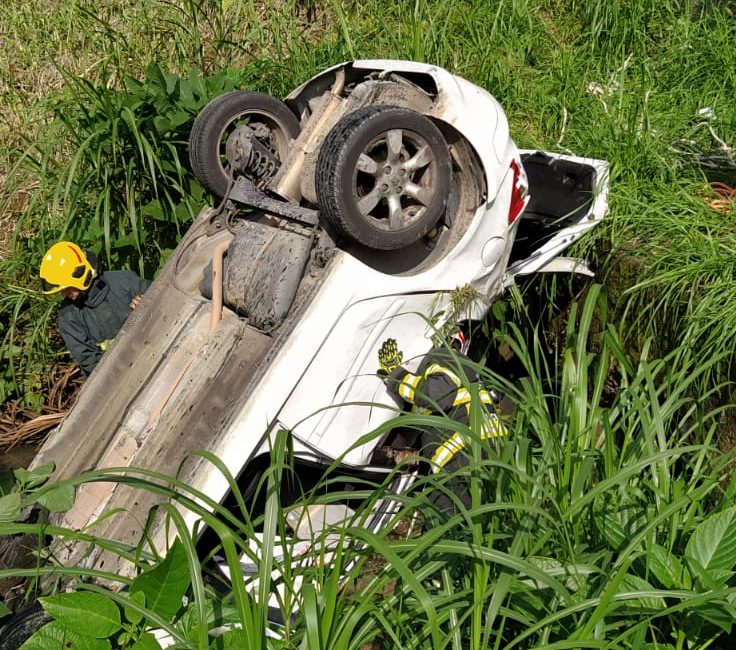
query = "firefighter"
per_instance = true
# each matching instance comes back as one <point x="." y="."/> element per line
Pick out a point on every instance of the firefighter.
<point x="95" y="304"/>
<point x="441" y="386"/>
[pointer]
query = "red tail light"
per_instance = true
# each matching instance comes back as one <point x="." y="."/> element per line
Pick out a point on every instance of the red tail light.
<point x="519" y="191"/>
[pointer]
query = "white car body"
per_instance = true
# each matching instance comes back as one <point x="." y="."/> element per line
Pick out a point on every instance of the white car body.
<point x="171" y="385"/>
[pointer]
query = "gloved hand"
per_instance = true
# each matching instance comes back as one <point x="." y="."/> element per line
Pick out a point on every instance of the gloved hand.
<point x="389" y="357"/>
<point x="103" y="345"/>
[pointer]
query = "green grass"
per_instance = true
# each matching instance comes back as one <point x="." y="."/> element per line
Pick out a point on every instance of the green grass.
<point x="604" y="520"/>
<point x="621" y="81"/>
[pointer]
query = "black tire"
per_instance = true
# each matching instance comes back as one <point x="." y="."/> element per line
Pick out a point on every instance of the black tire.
<point x="20" y="626"/>
<point x="221" y="117"/>
<point x="383" y="194"/>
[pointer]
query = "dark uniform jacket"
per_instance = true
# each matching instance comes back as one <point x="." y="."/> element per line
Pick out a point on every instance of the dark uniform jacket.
<point x="440" y="386"/>
<point x="98" y="315"/>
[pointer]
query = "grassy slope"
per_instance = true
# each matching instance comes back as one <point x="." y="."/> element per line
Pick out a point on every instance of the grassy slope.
<point x="621" y="81"/>
<point x="582" y="515"/>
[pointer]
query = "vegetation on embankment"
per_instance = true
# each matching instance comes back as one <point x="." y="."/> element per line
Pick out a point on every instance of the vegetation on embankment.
<point x="97" y="97"/>
<point x="606" y="520"/>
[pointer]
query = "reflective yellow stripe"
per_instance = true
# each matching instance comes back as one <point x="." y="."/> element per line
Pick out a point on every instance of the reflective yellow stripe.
<point x="408" y="384"/>
<point x="491" y="427"/>
<point x="462" y="397"/>
<point x="446" y="451"/>
<point x="436" y="368"/>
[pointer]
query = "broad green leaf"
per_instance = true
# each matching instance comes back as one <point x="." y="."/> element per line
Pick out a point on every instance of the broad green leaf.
<point x="575" y="576"/>
<point x="34" y="478"/>
<point x="186" y="92"/>
<point x="162" y="125"/>
<point x="618" y="522"/>
<point x="147" y="641"/>
<point x="666" y="567"/>
<point x="189" y="621"/>
<point x="132" y="615"/>
<point x="125" y="240"/>
<point x="10" y="351"/>
<point x="58" y="499"/>
<point x="86" y="230"/>
<point x="179" y="118"/>
<point x="153" y="209"/>
<point x="21" y="475"/>
<point x="708" y="579"/>
<point x="712" y="545"/>
<point x="181" y="212"/>
<point x="165" y="584"/>
<point x="56" y="636"/>
<point x="720" y="578"/>
<point x="718" y="613"/>
<point x="230" y="640"/>
<point x="86" y="613"/>
<point x="4" y="611"/>
<point x="632" y="584"/>
<point x="10" y="507"/>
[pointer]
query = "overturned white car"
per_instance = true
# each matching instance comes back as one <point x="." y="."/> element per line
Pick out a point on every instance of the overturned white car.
<point x="349" y="213"/>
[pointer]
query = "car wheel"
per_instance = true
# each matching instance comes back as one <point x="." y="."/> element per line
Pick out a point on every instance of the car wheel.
<point x="383" y="176"/>
<point x="240" y="132"/>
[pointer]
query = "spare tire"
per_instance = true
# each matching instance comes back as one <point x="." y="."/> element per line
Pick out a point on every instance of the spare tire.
<point x="272" y="122"/>
<point x="383" y="176"/>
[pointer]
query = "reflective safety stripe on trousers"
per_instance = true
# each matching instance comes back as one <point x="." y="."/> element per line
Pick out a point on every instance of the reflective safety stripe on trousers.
<point x="491" y="427"/>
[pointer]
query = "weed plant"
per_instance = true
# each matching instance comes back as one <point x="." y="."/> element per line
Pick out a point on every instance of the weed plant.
<point x="604" y="520"/>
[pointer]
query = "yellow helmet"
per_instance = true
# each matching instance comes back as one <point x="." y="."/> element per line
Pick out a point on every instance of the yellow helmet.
<point x="66" y="265"/>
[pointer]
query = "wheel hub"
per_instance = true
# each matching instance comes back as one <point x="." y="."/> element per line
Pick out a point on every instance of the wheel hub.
<point x="391" y="183"/>
<point x="246" y="154"/>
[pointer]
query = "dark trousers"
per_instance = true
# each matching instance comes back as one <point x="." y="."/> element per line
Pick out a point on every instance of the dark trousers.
<point x="451" y="482"/>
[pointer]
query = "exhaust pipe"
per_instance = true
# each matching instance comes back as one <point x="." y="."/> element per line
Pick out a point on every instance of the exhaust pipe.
<point x="287" y="182"/>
